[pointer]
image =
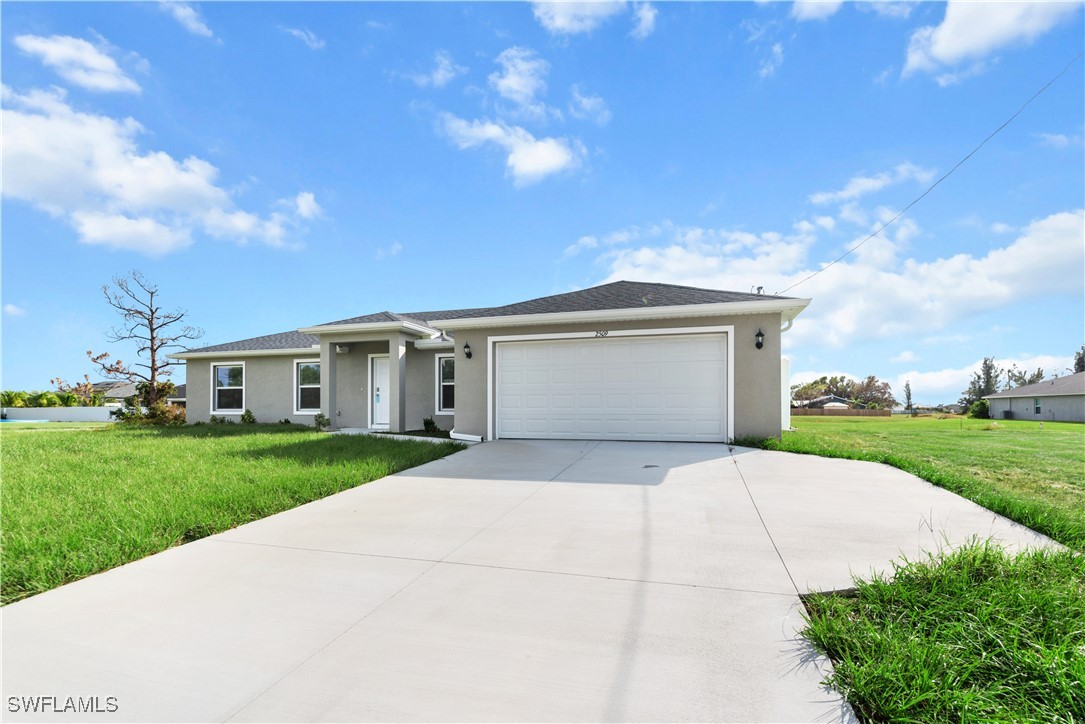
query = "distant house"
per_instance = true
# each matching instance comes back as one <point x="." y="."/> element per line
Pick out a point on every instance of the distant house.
<point x="178" y="397"/>
<point x="829" y="402"/>
<point x="1061" y="399"/>
<point x="115" y="391"/>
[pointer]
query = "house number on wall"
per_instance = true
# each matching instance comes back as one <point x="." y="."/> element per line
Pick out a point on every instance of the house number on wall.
<point x="602" y="333"/>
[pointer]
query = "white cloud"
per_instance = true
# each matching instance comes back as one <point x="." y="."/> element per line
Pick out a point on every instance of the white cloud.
<point x="870" y="295"/>
<point x="616" y="238"/>
<point x="306" y="36"/>
<point x="589" y="107"/>
<point x="803" y="10"/>
<point x="770" y="64"/>
<point x="905" y="356"/>
<point x="77" y="61"/>
<point x="644" y="20"/>
<point x="894" y="10"/>
<point x="388" y="251"/>
<point x="306" y="205"/>
<point x="89" y="171"/>
<point x="521" y="79"/>
<point x="861" y="185"/>
<point x="946" y="385"/>
<point x="141" y="234"/>
<point x="570" y="18"/>
<point x="444" y="71"/>
<point x="971" y="31"/>
<point x="13" y="310"/>
<point x="528" y="160"/>
<point x="1001" y="228"/>
<point x="188" y="17"/>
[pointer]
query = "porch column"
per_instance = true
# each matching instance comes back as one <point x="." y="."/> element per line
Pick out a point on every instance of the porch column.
<point x="327" y="383"/>
<point x="397" y="381"/>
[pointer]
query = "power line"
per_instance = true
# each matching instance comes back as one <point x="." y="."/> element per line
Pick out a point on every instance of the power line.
<point x="943" y="178"/>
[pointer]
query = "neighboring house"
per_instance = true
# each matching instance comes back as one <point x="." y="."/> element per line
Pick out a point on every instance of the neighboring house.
<point x="115" y="392"/>
<point x="830" y="402"/>
<point x="1061" y="399"/>
<point x="621" y="361"/>
<point x="178" y="396"/>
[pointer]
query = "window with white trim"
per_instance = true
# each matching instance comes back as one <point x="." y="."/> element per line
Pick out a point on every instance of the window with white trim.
<point x="1036" y="404"/>
<point x="307" y="386"/>
<point x="446" y="383"/>
<point x="228" y="387"/>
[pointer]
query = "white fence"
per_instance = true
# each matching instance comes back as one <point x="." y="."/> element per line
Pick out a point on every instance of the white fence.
<point x="60" y="414"/>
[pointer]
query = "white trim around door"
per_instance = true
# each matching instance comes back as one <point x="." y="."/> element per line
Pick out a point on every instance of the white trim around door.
<point x="728" y="330"/>
<point x="370" y="391"/>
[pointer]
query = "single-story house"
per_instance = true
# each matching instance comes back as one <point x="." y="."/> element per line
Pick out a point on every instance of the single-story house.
<point x="178" y="396"/>
<point x="831" y="402"/>
<point x="1061" y="399"/>
<point x="620" y="361"/>
<point x="115" y="392"/>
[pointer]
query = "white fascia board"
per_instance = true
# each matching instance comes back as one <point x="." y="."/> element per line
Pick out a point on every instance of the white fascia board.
<point x="1030" y="395"/>
<point x="243" y="353"/>
<point x="790" y="309"/>
<point x="435" y="343"/>
<point x="370" y="327"/>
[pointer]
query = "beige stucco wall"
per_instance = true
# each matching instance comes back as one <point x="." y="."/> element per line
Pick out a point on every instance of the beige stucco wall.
<point x="269" y="386"/>
<point x="1064" y="408"/>
<point x="757" y="398"/>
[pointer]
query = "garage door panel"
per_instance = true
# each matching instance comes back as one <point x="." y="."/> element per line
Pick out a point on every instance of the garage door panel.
<point x="628" y="388"/>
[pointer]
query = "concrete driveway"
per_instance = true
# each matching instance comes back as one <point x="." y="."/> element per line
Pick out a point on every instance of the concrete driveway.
<point x="556" y="581"/>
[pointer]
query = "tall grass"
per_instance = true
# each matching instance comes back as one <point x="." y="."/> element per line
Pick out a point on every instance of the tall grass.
<point x="975" y="635"/>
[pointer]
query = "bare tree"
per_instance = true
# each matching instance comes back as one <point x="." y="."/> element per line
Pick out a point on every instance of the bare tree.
<point x="154" y="330"/>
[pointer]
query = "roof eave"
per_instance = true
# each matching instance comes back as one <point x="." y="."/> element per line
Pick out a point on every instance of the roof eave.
<point x="789" y="309"/>
<point x="244" y="352"/>
<point x="418" y="329"/>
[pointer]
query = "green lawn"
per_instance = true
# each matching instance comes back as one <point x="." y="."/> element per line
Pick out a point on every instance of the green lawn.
<point x="1033" y="475"/>
<point x="977" y="634"/>
<point x="79" y="501"/>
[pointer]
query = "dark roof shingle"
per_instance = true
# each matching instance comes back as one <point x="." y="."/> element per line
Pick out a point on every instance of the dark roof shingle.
<point x="1070" y="385"/>
<point x="283" y="340"/>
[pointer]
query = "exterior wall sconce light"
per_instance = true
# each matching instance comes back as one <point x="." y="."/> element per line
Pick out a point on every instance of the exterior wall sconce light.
<point x="760" y="337"/>
<point x="467" y="351"/>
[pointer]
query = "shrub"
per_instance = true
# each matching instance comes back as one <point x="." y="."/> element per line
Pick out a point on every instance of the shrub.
<point x="247" y="418"/>
<point x="285" y="421"/>
<point x="42" y="399"/>
<point x="13" y="398"/>
<point x="216" y="420"/>
<point x="429" y="425"/>
<point x="981" y="410"/>
<point x="321" y="421"/>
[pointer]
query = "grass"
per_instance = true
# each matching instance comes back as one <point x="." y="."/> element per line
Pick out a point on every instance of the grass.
<point x="79" y="501"/>
<point x="975" y="635"/>
<point x="1013" y="467"/>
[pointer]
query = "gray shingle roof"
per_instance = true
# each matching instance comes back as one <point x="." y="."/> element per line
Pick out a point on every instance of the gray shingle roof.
<point x="1070" y="385"/>
<point x="616" y="295"/>
<point x="283" y="340"/>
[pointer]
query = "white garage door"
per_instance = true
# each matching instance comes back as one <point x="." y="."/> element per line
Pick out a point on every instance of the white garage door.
<point x="614" y="388"/>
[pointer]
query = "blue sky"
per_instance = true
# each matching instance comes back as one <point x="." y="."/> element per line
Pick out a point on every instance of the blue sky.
<point x="279" y="165"/>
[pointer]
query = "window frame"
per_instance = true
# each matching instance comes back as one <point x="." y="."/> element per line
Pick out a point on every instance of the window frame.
<point x="215" y="410"/>
<point x="437" y="364"/>
<point x="296" y="387"/>
<point x="1036" y="409"/>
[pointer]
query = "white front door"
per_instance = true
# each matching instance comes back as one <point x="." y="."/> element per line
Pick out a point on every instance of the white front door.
<point x="378" y="392"/>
